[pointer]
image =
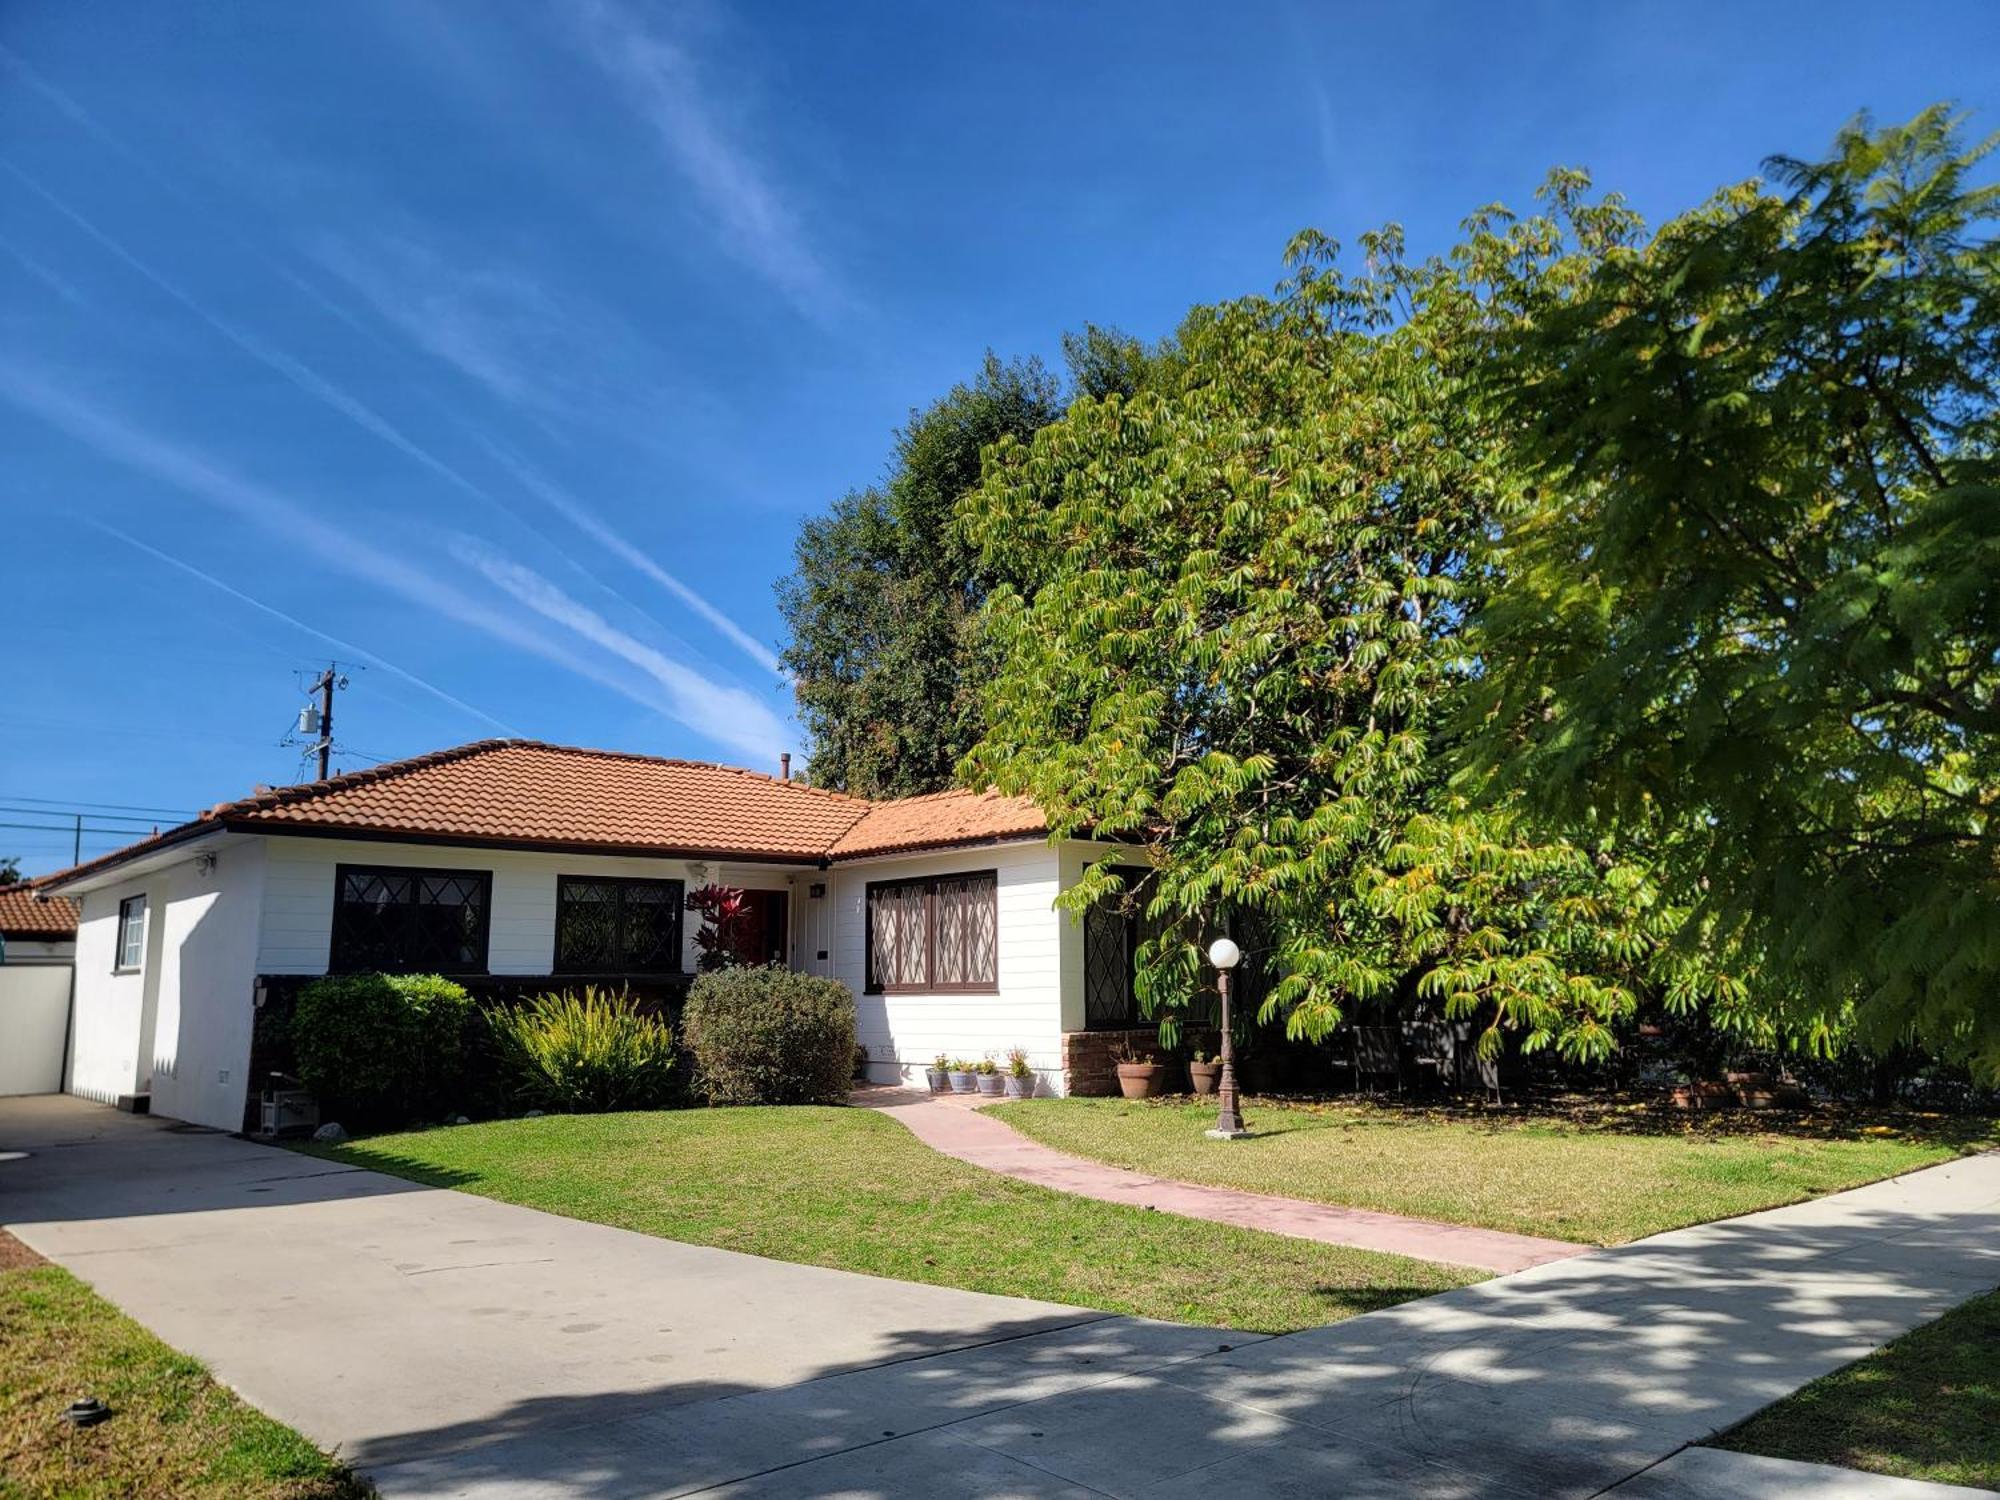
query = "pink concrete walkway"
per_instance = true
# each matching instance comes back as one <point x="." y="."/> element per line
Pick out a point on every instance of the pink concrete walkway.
<point x="954" y="1125"/>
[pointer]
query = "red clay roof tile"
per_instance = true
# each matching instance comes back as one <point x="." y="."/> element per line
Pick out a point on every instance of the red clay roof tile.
<point x="25" y="914"/>
<point x="523" y="792"/>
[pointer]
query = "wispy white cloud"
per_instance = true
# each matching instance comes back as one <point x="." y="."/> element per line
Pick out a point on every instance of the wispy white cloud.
<point x="587" y="521"/>
<point x="295" y="370"/>
<point x="337" y="642"/>
<point x="725" y="713"/>
<point x="751" y="212"/>
<point x="47" y="277"/>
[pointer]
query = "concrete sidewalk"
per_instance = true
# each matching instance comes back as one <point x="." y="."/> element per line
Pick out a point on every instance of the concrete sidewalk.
<point x="457" y="1347"/>
<point x="955" y="1125"/>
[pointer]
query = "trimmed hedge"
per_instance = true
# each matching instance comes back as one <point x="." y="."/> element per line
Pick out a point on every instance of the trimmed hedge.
<point x="769" y="1036"/>
<point x="585" y="1052"/>
<point x="382" y="1049"/>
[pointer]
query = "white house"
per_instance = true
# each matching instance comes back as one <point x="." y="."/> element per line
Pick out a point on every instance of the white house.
<point x="37" y="941"/>
<point x="507" y="860"/>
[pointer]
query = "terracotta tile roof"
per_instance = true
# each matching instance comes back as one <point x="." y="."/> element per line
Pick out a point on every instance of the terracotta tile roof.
<point x="523" y="792"/>
<point x="24" y="914"/>
<point x="939" y="821"/>
<point x="519" y="791"/>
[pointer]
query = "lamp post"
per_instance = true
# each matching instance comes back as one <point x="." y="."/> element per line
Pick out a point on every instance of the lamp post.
<point x="1228" y="1121"/>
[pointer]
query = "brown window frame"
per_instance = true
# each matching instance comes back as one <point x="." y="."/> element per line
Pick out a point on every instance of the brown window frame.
<point x="929" y="986"/>
<point x="677" y="901"/>
<point x="339" y="961"/>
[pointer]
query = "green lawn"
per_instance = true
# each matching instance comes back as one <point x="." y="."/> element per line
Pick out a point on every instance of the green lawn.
<point x="173" y="1432"/>
<point x="1602" y="1179"/>
<point x="1926" y="1407"/>
<point x="852" y="1189"/>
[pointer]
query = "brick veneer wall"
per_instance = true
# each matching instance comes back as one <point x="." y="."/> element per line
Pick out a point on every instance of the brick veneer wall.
<point x="1092" y="1069"/>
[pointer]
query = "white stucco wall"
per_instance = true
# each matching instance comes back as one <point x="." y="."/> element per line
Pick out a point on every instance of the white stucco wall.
<point x="904" y="1032"/>
<point x="112" y="1026"/>
<point x="208" y="975"/>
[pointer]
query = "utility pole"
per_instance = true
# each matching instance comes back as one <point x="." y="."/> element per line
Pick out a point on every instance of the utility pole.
<point x="328" y="681"/>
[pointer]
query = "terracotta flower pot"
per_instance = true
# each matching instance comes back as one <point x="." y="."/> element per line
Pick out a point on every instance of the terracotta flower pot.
<point x="1704" y="1096"/>
<point x="1205" y="1076"/>
<point x="938" y="1079"/>
<point x="1141" y="1080"/>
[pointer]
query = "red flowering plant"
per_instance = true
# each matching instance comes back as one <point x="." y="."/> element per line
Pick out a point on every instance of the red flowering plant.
<point x="725" y="917"/>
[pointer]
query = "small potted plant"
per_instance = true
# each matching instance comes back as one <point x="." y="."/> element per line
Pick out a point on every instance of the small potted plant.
<point x="1203" y="1073"/>
<point x="964" y="1076"/>
<point x="989" y="1079"/>
<point x="938" y="1074"/>
<point x="860" y="1063"/>
<point x="1139" y="1077"/>
<point x="1020" y="1077"/>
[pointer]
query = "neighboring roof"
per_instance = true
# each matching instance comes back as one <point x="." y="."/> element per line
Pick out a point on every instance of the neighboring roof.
<point x="25" y="913"/>
<point x="528" y="794"/>
<point x="939" y="821"/>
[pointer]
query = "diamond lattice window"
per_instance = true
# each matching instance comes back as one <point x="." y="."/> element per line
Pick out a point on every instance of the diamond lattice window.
<point x="402" y="921"/>
<point x="934" y="934"/>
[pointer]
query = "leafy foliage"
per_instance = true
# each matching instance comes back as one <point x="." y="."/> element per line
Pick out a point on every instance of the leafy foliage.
<point x="882" y="606"/>
<point x="1233" y="635"/>
<point x="770" y="1036"/>
<point x="381" y="1048"/>
<point x="586" y="1052"/>
<point x="1750" y="592"/>
<point x="725" y="917"/>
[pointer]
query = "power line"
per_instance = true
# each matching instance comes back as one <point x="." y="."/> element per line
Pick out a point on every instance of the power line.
<point x="68" y="805"/>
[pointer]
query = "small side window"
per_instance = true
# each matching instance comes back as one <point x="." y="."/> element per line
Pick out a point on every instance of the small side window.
<point x="131" y="953"/>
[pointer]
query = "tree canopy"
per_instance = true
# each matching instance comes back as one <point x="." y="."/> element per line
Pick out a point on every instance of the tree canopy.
<point x="1750" y="573"/>
<point x="881" y="608"/>
<point x="1230" y="631"/>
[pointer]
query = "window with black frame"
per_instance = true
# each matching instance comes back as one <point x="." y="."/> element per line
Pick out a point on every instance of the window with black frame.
<point x="610" y="925"/>
<point x="397" y="920"/>
<point x="1113" y="928"/>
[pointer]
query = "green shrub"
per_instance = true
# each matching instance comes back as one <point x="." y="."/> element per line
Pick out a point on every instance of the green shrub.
<point x="381" y="1049"/>
<point x="769" y="1036"/>
<point x="586" y="1053"/>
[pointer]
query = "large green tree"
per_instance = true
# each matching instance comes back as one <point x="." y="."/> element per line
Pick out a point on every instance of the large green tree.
<point x="881" y="609"/>
<point x="1754" y="585"/>
<point x="1229" y="631"/>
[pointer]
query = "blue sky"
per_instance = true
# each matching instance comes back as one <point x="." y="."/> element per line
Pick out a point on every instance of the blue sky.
<point x="498" y="349"/>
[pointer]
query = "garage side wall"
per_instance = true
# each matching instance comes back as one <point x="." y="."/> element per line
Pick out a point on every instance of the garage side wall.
<point x="208" y="976"/>
<point x="110" y="1029"/>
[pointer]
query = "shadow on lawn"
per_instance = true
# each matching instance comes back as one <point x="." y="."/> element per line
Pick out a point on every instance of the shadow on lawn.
<point x="1622" y="1115"/>
<point x="1560" y="1381"/>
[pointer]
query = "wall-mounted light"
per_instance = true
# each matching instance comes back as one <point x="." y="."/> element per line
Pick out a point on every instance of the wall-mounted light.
<point x="205" y="862"/>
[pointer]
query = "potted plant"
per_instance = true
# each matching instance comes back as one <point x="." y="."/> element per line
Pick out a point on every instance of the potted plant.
<point x="989" y="1079"/>
<point x="938" y="1074"/>
<point x="1139" y="1077"/>
<point x="1020" y="1077"/>
<point x="860" y="1063"/>
<point x="964" y="1076"/>
<point x="1204" y="1074"/>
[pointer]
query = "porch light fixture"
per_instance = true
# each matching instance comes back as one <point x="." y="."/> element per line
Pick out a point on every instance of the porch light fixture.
<point x="1229" y="1126"/>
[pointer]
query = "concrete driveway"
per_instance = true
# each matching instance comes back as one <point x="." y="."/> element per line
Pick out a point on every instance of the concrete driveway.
<point x="451" y="1346"/>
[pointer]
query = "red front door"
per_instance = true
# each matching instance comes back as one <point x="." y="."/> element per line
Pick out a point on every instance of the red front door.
<point x="761" y="937"/>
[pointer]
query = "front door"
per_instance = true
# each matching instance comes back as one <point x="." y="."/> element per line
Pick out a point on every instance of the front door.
<point x="761" y="937"/>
